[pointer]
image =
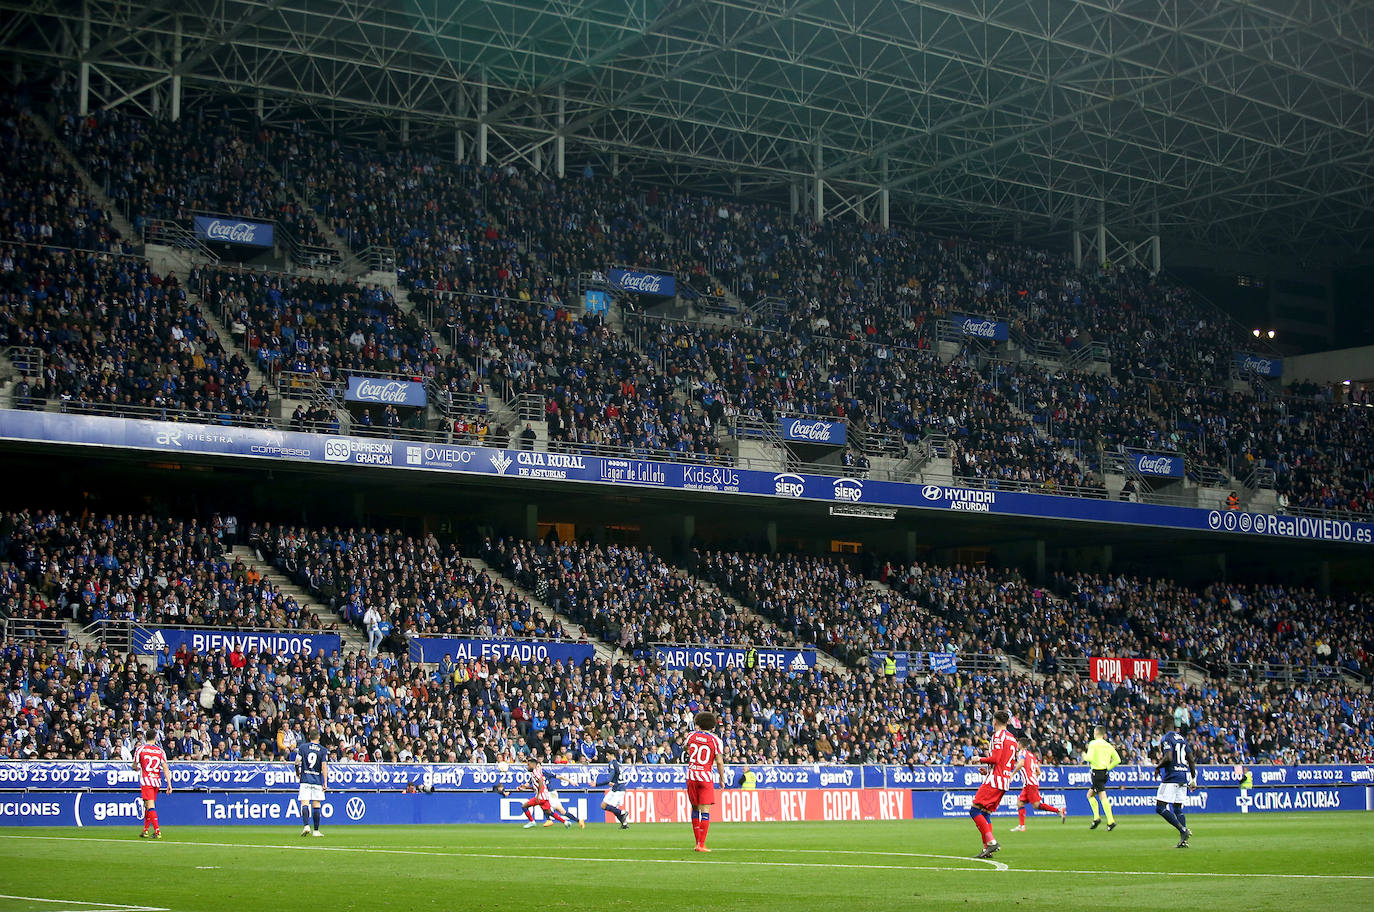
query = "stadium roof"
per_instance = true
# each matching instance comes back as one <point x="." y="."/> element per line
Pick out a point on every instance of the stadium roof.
<point x="1228" y="124"/>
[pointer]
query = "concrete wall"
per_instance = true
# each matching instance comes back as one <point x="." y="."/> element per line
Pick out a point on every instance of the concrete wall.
<point x="1337" y="366"/>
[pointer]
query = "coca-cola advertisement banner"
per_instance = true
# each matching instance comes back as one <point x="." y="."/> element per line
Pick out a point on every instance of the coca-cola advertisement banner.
<point x="982" y="327"/>
<point x="812" y="430"/>
<point x="1157" y="465"/>
<point x="384" y="391"/>
<point x="1116" y="670"/>
<point x="234" y="231"/>
<point x="645" y="283"/>
<point x="1259" y="364"/>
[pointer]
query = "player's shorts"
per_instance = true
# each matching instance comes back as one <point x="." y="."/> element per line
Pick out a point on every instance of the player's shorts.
<point x="311" y="792"/>
<point x="614" y="797"/>
<point x="1099" y="781"/>
<point x="541" y="803"/>
<point x="1172" y="793"/>
<point x="150" y="793"/>
<point x="700" y="793"/>
<point x="988" y="798"/>
<point x="1030" y="794"/>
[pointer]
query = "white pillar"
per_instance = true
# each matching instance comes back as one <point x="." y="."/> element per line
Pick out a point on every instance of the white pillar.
<point x="482" y="122"/>
<point x="885" y="198"/>
<point x="1077" y="248"/>
<point x="819" y="212"/>
<point x="561" y="142"/>
<point x="1156" y="261"/>
<point x="615" y="164"/>
<point x="460" y="144"/>
<point x="405" y="131"/>
<point x="84" y="70"/>
<point x="1101" y="244"/>
<point x="176" y="71"/>
<point x="794" y="197"/>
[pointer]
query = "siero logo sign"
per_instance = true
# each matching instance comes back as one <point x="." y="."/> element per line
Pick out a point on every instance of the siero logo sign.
<point x="789" y="485"/>
<point x="849" y="490"/>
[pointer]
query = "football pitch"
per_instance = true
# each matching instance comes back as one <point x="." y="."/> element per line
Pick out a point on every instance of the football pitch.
<point x="1272" y="861"/>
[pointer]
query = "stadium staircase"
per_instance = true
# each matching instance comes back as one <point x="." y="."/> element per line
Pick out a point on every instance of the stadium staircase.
<point x="823" y="659"/>
<point x="353" y="639"/>
<point x="349" y="262"/>
<point x="255" y="377"/>
<point x="604" y="651"/>
<point x="97" y="192"/>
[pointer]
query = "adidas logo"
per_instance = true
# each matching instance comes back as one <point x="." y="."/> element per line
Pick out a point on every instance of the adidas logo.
<point x="500" y="461"/>
<point x="798" y="663"/>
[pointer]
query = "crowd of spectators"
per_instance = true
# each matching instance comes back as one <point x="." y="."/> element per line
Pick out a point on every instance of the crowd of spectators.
<point x="90" y="703"/>
<point x="42" y="199"/>
<point x="627" y="595"/>
<point x="115" y="338"/>
<point x="416" y="585"/>
<point x="203" y="163"/>
<point x="139" y="568"/>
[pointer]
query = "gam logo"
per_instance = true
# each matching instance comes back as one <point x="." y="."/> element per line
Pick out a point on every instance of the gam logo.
<point x="850" y="490"/>
<point x="789" y="484"/>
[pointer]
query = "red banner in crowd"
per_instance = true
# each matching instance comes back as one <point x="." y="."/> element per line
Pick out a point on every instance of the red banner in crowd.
<point x="771" y="805"/>
<point x="1118" y="670"/>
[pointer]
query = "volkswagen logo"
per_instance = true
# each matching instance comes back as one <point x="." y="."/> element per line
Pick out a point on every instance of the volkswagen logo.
<point x="932" y="492"/>
<point x="355" y="808"/>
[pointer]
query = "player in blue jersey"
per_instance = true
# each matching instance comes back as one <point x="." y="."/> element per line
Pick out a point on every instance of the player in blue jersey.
<point x="312" y="766"/>
<point x="614" y="798"/>
<point x="1178" y="776"/>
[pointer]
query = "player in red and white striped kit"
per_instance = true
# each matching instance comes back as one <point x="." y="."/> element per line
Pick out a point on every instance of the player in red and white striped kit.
<point x="1002" y="763"/>
<point x="541" y="797"/>
<point x="705" y="753"/>
<point x="1030" y="790"/>
<point x="151" y="763"/>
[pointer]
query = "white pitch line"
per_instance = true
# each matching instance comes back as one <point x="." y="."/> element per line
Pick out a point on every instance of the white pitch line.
<point x="997" y="865"/>
<point x="95" y="906"/>
<point x="371" y="850"/>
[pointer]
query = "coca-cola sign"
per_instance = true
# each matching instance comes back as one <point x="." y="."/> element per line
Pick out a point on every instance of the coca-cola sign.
<point x="1259" y="364"/>
<point x="386" y="391"/>
<point x="645" y="283"/>
<point x="813" y="430"/>
<point x="234" y="231"/>
<point x="1158" y="465"/>
<point x="982" y="327"/>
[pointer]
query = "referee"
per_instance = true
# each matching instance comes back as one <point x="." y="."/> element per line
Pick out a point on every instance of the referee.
<point x="1102" y="759"/>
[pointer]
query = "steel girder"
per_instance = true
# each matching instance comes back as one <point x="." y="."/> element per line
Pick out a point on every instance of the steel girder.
<point x="1229" y="123"/>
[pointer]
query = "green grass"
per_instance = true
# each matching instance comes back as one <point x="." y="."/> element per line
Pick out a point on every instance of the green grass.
<point x="1326" y="859"/>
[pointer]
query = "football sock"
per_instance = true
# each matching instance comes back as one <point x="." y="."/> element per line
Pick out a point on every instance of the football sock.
<point x="1107" y="810"/>
<point x="1182" y="819"/>
<point x="705" y="825"/>
<point x="980" y="820"/>
<point x="1021" y="814"/>
<point x="305" y="814"/>
<point x="619" y="814"/>
<point x="152" y="815"/>
<point x="147" y="819"/>
<point x="570" y="815"/>
<point x="529" y="814"/>
<point x="1047" y="808"/>
<point x="556" y="816"/>
<point x="315" y="816"/>
<point x="1092" y="803"/>
<point x="1167" y="813"/>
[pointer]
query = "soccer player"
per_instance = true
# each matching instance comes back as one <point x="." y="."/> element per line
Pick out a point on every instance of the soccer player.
<point x="1102" y="759"/>
<point x="614" y="799"/>
<point x="151" y="762"/>
<point x="704" y="751"/>
<point x="312" y="767"/>
<point x="540" y="785"/>
<point x="1002" y="764"/>
<point x="1178" y="776"/>
<point x="556" y="804"/>
<point x="1030" y="790"/>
